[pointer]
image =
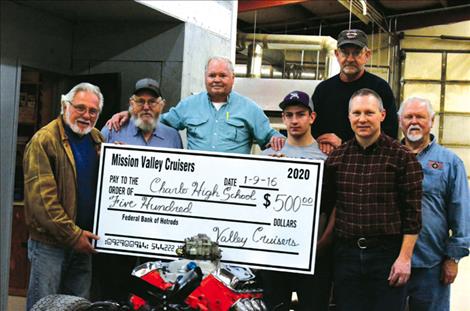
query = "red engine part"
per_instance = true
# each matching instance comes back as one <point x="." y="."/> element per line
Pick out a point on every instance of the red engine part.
<point x="154" y="278"/>
<point x="213" y="295"/>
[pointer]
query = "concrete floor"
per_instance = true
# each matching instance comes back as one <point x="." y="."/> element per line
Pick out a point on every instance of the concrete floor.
<point x="460" y="296"/>
<point x="16" y="303"/>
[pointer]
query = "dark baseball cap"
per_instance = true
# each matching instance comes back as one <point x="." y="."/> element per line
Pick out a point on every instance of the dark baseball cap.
<point x="148" y="84"/>
<point x="298" y="98"/>
<point x="352" y="36"/>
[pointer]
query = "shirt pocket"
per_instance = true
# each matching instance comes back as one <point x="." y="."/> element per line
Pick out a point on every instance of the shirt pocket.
<point x="195" y="127"/>
<point x="235" y="130"/>
<point x="433" y="180"/>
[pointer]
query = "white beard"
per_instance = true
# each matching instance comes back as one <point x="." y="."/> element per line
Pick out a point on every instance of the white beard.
<point x="144" y="126"/>
<point x="414" y="137"/>
<point x="75" y="128"/>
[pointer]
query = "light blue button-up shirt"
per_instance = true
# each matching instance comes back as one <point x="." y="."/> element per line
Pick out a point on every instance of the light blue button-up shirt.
<point x="163" y="136"/>
<point x="445" y="206"/>
<point x="232" y="128"/>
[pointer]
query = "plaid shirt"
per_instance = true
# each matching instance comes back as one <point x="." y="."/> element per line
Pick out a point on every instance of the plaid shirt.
<point x="376" y="191"/>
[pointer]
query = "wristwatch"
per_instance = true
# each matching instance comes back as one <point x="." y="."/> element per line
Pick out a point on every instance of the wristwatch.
<point x="455" y="260"/>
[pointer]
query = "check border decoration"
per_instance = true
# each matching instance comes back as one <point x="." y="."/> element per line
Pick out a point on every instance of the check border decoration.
<point x="262" y="211"/>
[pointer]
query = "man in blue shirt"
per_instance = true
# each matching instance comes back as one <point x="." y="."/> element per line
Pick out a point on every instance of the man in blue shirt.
<point x="219" y="119"/>
<point x="144" y="129"/>
<point x="445" y="208"/>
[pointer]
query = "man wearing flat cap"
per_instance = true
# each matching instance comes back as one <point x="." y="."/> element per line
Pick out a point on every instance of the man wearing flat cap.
<point x="331" y="96"/>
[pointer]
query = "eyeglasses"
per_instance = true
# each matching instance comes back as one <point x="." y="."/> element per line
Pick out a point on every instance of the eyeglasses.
<point x="152" y="102"/>
<point x="355" y="53"/>
<point x="81" y="109"/>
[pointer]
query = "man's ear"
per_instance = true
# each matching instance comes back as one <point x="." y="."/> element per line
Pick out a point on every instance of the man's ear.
<point x="384" y="113"/>
<point x="368" y="53"/>
<point x="337" y="53"/>
<point x="64" y="107"/>
<point x="313" y="115"/>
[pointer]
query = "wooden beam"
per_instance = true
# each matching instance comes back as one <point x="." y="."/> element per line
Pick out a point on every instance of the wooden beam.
<point x="252" y="5"/>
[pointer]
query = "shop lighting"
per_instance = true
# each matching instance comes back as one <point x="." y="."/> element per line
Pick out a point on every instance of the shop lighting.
<point x="293" y="46"/>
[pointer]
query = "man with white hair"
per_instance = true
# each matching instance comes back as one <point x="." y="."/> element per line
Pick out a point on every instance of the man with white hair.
<point x="445" y="233"/>
<point x="218" y="119"/>
<point x="144" y="129"/>
<point x="60" y="175"/>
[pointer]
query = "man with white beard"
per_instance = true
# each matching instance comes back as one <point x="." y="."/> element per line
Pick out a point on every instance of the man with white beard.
<point x="445" y="233"/>
<point x="218" y="119"/>
<point x="60" y="175"/>
<point x="144" y="129"/>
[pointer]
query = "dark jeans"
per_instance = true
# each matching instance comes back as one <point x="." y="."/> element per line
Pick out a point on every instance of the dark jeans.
<point x="426" y="292"/>
<point x="313" y="291"/>
<point x="360" y="277"/>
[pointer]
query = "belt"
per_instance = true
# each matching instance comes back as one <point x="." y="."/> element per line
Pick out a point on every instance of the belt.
<point x="365" y="243"/>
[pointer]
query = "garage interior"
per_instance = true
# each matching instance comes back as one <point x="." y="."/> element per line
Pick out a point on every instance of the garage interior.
<point x="419" y="47"/>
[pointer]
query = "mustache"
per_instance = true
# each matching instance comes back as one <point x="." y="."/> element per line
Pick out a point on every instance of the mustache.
<point x="414" y="127"/>
<point x="145" y="113"/>
<point x="82" y="120"/>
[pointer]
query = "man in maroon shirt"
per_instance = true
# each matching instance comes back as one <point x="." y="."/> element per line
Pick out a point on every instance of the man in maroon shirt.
<point x="375" y="185"/>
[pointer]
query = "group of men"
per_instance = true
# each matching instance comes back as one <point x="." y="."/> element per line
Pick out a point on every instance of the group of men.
<point x="387" y="223"/>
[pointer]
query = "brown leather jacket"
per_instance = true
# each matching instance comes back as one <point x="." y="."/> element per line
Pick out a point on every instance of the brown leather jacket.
<point x="50" y="185"/>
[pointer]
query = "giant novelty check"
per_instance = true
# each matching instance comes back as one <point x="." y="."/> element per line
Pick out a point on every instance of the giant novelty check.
<point x="262" y="211"/>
